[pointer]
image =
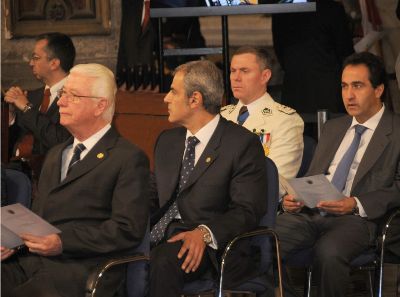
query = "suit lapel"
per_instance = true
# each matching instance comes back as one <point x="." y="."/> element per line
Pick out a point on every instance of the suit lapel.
<point x="375" y="148"/>
<point x="173" y="162"/>
<point x="342" y="129"/>
<point x="330" y="148"/>
<point x="98" y="154"/>
<point x="36" y="97"/>
<point x="208" y="156"/>
<point x="53" y="107"/>
<point x="56" y="176"/>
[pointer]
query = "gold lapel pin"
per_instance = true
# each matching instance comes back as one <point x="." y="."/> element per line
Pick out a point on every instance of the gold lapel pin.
<point x="208" y="160"/>
<point x="100" y="156"/>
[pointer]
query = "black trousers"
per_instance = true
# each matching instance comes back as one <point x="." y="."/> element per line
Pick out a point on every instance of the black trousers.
<point x="335" y="240"/>
<point x="166" y="275"/>
<point x="27" y="275"/>
<point x="18" y="282"/>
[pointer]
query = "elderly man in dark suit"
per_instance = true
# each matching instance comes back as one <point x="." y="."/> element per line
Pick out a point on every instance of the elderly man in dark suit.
<point x="93" y="188"/>
<point x="360" y="155"/>
<point x="210" y="177"/>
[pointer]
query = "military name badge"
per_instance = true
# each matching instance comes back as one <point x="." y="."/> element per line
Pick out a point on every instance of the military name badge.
<point x="264" y="139"/>
<point x="266" y="111"/>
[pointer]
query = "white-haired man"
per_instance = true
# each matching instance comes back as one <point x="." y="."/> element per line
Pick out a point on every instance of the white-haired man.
<point x="92" y="188"/>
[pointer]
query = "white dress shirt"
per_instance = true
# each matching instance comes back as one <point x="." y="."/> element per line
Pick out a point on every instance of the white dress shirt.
<point x="88" y="143"/>
<point x="371" y="125"/>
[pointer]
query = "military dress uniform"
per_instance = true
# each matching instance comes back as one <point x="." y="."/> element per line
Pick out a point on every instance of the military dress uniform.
<point x="280" y="130"/>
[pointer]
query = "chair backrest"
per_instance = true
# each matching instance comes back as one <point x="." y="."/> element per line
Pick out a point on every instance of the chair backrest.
<point x="19" y="188"/>
<point x="137" y="273"/>
<point x="268" y="220"/>
<point x="308" y="152"/>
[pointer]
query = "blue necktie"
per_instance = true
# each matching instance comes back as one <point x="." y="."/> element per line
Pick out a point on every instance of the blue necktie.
<point x="243" y="115"/>
<point x="342" y="171"/>
<point x="157" y="233"/>
<point x="76" y="157"/>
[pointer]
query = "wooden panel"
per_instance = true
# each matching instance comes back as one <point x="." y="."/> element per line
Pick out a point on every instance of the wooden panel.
<point x="140" y="117"/>
<point x="27" y="18"/>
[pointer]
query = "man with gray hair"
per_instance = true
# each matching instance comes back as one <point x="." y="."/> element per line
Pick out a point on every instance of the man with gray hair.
<point x="211" y="185"/>
<point x="93" y="188"/>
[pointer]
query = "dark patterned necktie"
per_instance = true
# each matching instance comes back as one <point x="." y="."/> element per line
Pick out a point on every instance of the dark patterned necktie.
<point x="157" y="233"/>
<point x="342" y="171"/>
<point x="243" y="115"/>
<point x="76" y="157"/>
<point x="45" y="101"/>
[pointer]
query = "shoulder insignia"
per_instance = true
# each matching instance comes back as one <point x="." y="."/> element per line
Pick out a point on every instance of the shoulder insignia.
<point x="266" y="111"/>
<point x="228" y="108"/>
<point x="285" y="109"/>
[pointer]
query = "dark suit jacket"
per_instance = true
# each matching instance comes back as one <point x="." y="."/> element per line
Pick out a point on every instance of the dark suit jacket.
<point x="377" y="181"/>
<point x="46" y="127"/>
<point x="226" y="190"/>
<point x="101" y="207"/>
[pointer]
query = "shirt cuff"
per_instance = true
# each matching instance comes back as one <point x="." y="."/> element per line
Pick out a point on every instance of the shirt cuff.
<point x="213" y="244"/>
<point x="361" y="210"/>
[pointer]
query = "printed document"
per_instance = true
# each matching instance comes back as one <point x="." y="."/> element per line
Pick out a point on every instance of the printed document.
<point x="17" y="219"/>
<point x="311" y="189"/>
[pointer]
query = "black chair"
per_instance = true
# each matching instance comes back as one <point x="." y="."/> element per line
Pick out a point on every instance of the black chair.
<point x="371" y="261"/>
<point x="19" y="188"/>
<point x="259" y="239"/>
<point x="308" y="152"/>
<point x="136" y="272"/>
<point x="207" y="285"/>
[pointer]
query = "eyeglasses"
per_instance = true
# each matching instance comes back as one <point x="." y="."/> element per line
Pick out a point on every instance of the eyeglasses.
<point x="36" y="58"/>
<point x="72" y="97"/>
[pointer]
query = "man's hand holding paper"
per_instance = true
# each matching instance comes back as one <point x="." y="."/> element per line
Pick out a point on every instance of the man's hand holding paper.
<point x="312" y="190"/>
<point x="343" y="206"/>
<point x="49" y="245"/>
<point x="290" y="204"/>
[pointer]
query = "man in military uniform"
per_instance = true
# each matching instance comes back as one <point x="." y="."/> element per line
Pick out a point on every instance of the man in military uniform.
<point x="279" y="127"/>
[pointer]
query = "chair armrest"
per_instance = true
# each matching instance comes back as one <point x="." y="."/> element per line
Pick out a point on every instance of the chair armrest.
<point x="95" y="277"/>
<point x="256" y="232"/>
<point x="393" y="213"/>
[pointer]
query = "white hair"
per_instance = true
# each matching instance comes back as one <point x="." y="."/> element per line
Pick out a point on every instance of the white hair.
<point x="103" y="84"/>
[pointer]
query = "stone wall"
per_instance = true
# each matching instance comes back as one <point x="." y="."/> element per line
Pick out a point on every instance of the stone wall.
<point x="15" y="53"/>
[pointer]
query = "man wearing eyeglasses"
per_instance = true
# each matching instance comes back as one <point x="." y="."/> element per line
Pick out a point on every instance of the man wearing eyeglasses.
<point x="93" y="188"/>
<point x="34" y="116"/>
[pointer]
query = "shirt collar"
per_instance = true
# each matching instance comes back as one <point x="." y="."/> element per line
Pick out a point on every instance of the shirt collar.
<point x="372" y="122"/>
<point x="205" y="133"/>
<point x="92" y="140"/>
<point x="54" y="89"/>
<point x="257" y="104"/>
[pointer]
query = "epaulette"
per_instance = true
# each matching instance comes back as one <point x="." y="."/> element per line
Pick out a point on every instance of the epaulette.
<point x="284" y="108"/>
<point x="229" y="108"/>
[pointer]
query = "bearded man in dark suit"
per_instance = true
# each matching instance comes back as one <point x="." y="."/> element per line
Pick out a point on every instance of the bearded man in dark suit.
<point x="210" y="177"/>
<point x="93" y="188"/>
<point x="338" y="231"/>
